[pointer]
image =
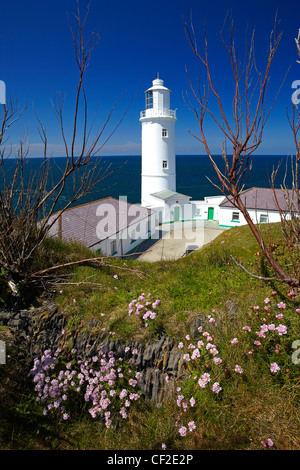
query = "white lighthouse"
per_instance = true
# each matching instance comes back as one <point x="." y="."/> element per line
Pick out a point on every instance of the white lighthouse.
<point x="158" y="156"/>
<point x="158" y="143"/>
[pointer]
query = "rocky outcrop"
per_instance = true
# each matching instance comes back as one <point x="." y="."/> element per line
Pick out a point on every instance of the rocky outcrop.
<point x="40" y="328"/>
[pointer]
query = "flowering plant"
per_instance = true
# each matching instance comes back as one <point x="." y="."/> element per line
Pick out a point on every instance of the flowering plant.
<point x="144" y="307"/>
<point x="107" y="384"/>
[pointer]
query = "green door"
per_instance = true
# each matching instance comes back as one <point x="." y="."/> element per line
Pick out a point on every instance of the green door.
<point x="210" y="213"/>
<point x="176" y="213"/>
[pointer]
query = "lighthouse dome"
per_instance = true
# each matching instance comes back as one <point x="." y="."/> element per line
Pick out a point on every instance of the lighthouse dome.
<point x="158" y="84"/>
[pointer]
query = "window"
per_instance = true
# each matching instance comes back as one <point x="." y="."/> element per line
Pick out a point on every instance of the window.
<point x="149" y="99"/>
<point x="165" y="164"/>
<point x="263" y="218"/>
<point x="164" y="133"/>
<point x="235" y="217"/>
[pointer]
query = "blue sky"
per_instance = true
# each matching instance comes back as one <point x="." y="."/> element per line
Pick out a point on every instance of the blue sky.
<point x="138" y="39"/>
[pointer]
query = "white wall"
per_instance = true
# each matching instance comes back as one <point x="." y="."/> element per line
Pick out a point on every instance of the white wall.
<point x="201" y="207"/>
<point x="226" y="216"/>
<point x="127" y="239"/>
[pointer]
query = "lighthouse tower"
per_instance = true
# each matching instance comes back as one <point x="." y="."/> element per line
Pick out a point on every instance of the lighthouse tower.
<point x="158" y="144"/>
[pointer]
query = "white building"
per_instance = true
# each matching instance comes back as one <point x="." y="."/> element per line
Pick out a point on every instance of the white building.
<point x="112" y="227"/>
<point x="260" y="203"/>
<point x="158" y="179"/>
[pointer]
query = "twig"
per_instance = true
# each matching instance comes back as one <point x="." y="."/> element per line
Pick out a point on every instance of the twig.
<point x="256" y="276"/>
<point x="99" y="261"/>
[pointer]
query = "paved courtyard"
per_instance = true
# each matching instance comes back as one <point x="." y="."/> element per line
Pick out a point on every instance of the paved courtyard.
<point x="173" y="239"/>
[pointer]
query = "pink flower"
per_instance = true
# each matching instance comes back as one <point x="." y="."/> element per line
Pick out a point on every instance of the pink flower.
<point x="195" y="354"/>
<point x="267" y="300"/>
<point x="214" y="351"/>
<point x="216" y="387"/>
<point x="192" y="401"/>
<point x="246" y="328"/>
<point x="274" y="367"/>
<point x="217" y="360"/>
<point x="202" y="382"/>
<point x="179" y="399"/>
<point x="260" y="334"/>
<point x="238" y="369"/>
<point x="191" y="426"/>
<point x="270" y="442"/>
<point x="182" y="431"/>
<point x="282" y="330"/>
<point x="234" y="341"/>
<point x="116" y="276"/>
<point x="281" y="305"/>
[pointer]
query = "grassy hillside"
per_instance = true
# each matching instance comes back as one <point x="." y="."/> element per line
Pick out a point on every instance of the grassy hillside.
<point x="252" y="391"/>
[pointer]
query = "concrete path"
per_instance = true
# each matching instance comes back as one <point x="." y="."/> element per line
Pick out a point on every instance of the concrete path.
<point x="178" y="236"/>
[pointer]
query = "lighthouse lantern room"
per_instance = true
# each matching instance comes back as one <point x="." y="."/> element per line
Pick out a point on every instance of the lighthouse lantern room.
<point x="158" y="144"/>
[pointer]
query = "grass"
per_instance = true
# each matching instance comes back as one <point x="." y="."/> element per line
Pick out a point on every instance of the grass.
<point x="251" y="407"/>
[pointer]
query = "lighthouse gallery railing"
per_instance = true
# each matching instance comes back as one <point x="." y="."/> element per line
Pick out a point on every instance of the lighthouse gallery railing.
<point x="158" y="113"/>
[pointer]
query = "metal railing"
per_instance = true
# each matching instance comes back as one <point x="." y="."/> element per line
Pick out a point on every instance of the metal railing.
<point x="168" y="113"/>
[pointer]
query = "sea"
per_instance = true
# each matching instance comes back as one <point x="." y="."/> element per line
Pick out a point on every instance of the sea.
<point x="195" y="176"/>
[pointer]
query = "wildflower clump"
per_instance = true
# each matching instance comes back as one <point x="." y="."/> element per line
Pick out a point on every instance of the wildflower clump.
<point x="212" y="367"/>
<point x="106" y="384"/>
<point x="202" y="365"/>
<point x="270" y="335"/>
<point x="144" y="307"/>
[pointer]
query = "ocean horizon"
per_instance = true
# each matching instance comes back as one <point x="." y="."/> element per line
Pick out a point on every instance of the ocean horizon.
<point x="194" y="176"/>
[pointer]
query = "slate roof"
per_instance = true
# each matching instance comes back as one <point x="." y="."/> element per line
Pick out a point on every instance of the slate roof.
<point x="165" y="194"/>
<point x="262" y="199"/>
<point x="80" y="222"/>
